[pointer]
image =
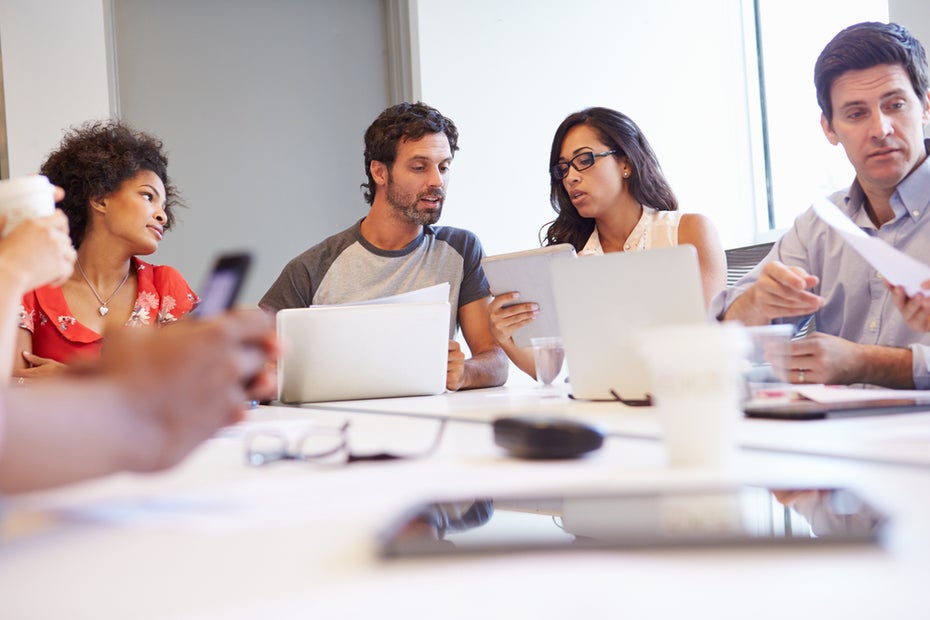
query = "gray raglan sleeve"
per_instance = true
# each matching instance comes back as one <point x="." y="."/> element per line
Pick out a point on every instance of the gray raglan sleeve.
<point x="299" y="280"/>
<point x="292" y="289"/>
<point x="474" y="283"/>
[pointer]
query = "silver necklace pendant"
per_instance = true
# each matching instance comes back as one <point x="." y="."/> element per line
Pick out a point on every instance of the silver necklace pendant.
<point x="103" y="303"/>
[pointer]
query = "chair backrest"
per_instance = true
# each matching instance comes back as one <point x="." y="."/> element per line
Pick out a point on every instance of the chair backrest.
<point x="741" y="261"/>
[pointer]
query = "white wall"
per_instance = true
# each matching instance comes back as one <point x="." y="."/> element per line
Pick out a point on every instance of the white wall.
<point x="54" y="73"/>
<point x="804" y="165"/>
<point x="508" y="72"/>
<point x="914" y="15"/>
<point x="262" y="107"/>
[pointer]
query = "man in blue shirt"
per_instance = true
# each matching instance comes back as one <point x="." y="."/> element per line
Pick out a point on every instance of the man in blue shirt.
<point x="872" y="87"/>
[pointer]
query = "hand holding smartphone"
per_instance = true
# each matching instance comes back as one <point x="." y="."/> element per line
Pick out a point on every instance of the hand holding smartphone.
<point x="222" y="287"/>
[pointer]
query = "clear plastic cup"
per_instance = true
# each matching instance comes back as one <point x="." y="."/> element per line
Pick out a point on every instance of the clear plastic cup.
<point x="549" y="356"/>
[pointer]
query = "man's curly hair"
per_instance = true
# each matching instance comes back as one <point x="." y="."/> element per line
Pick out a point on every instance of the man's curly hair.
<point x="95" y="159"/>
<point x="404" y="121"/>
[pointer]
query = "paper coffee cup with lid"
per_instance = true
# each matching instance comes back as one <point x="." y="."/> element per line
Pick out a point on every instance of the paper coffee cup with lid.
<point x="24" y="198"/>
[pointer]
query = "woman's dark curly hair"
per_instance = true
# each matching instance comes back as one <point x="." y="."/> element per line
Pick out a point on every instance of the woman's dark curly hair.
<point x="95" y="159"/>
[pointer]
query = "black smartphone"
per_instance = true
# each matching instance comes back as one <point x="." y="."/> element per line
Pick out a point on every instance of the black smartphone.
<point x="222" y="287"/>
<point x="744" y="515"/>
<point x="812" y="410"/>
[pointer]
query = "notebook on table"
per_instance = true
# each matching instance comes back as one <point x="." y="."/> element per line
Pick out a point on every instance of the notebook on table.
<point x="604" y="301"/>
<point x="353" y="352"/>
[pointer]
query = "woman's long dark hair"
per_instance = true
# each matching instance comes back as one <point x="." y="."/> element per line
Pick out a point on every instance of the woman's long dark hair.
<point x="646" y="182"/>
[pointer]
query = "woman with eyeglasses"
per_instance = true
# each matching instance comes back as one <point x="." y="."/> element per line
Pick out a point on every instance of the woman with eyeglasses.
<point x="610" y="195"/>
<point x="119" y="202"/>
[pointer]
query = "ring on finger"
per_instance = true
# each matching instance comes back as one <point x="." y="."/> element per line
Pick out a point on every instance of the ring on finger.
<point x="800" y="376"/>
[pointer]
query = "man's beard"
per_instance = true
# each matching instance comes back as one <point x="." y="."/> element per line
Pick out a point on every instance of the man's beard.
<point x="405" y="205"/>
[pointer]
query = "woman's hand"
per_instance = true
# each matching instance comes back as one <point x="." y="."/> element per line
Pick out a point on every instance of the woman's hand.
<point x="38" y="367"/>
<point x="506" y="319"/>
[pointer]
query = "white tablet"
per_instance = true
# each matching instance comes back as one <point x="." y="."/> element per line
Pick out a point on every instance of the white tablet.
<point x="527" y="272"/>
<point x="645" y="519"/>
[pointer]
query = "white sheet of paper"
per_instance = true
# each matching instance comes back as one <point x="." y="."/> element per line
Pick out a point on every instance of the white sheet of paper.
<point x="430" y="294"/>
<point x="843" y="394"/>
<point x="893" y="265"/>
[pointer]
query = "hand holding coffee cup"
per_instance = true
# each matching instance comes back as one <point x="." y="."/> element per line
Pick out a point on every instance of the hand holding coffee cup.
<point x="37" y="248"/>
<point x="25" y="198"/>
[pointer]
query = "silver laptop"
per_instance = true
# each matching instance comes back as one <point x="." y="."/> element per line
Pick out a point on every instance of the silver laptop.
<point x="350" y="352"/>
<point x="604" y="301"/>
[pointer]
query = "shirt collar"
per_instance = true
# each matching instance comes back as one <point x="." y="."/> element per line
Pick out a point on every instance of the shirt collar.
<point x="910" y="198"/>
<point x="912" y="193"/>
<point x="593" y="245"/>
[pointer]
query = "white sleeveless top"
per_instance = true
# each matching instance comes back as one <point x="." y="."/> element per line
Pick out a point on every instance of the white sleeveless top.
<point x="655" y="229"/>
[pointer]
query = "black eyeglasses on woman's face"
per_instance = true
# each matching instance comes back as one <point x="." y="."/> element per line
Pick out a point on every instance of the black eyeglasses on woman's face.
<point x="581" y="161"/>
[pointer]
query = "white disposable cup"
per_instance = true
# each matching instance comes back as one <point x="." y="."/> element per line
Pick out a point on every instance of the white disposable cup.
<point x="24" y="198"/>
<point x="697" y="387"/>
<point x="549" y="357"/>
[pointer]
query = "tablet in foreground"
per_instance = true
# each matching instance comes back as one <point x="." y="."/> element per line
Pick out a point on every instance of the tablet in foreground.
<point x="719" y="517"/>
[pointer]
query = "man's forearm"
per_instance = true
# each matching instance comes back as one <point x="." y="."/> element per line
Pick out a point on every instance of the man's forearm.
<point x="887" y="366"/>
<point x="743" y="309"/>
<point x="486" y="369"/>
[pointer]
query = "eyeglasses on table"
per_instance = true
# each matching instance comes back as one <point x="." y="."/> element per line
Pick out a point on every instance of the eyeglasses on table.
<point x="644" y="401"/>
<point x="321" y="444"/>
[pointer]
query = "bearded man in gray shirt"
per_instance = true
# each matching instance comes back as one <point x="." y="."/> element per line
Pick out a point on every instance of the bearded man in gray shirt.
<point x="397" y="248"/>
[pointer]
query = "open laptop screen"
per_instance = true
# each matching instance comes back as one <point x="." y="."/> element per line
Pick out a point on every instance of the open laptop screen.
<point x="603" y="302"/>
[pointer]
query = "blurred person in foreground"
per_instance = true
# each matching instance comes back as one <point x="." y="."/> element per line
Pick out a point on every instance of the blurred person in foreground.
<point x="147" y="402"/>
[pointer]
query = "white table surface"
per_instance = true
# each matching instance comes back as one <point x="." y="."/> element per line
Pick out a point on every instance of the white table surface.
<point x="215" y="538"/>
<point x="901" y="438"/>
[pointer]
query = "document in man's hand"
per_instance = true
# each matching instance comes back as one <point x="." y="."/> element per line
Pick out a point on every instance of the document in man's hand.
<point x="895" y="266"/>
<point x="431" y="294"/>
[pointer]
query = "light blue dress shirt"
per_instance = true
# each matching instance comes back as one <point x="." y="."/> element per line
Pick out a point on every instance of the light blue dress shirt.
<point x="857" y="306"/>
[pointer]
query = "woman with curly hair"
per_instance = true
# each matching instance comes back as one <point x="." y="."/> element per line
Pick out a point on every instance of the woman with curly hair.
<point x="610" y="195"/>
<point x="119" y="202"/>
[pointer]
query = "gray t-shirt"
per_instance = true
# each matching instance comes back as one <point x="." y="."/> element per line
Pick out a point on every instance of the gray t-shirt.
<point x="346" y="268"/>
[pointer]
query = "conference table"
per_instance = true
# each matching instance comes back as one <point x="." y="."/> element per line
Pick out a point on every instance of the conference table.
<point x="219" y="538"/>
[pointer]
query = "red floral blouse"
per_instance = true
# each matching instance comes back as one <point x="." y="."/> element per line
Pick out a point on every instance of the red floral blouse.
<point x="164" y="296"/>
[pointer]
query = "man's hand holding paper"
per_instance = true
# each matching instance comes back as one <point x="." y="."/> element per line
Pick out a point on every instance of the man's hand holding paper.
<point x="896" y="267"/>
<point x="915" y="309"/>
<point x="906" y="277"/>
